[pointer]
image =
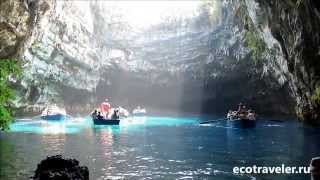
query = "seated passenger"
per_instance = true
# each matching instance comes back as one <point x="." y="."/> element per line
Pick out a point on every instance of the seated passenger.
<point x="230" y="114"/>
<point x="251" y="115"/>
<point x="94" y="114"/>
<point x="243" y="109"/>
<point x="115" y="114"/>
<point x="234" y="113"/>
<point x="99" y="116"/>
<point x="239" y="107"/>
<point x="105" y="107"/>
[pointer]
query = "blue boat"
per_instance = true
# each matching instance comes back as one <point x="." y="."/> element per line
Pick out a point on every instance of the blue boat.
<point x="103" y="121"/>
<point x="55" y="117"/>
<point x="242" y="123"/>
<point x="53" y="113"/>
<point x="106" y="119"/>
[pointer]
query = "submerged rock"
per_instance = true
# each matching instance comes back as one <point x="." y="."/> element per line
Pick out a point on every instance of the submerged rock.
<point x="315" y="168"/>
<point x="56" y="167"/>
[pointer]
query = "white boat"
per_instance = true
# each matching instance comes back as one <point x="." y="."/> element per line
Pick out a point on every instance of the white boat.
<point x="139" y="111"/>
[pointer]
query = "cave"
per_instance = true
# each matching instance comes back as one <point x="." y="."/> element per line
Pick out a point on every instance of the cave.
<point x="159" y="89"/>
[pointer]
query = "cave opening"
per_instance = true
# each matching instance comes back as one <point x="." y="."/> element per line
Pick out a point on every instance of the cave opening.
<point x="160" y="55"/>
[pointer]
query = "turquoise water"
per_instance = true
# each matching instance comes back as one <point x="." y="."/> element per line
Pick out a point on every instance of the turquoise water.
<point x="77" y="125"/>
<point x="158" y="147"/>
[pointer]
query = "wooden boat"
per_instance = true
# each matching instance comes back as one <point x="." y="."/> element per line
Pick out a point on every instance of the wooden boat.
<point x="237" y="122"/>
<point x="103" y="121"/>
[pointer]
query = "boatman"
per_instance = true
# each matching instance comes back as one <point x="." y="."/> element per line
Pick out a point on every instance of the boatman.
<point x="239" y="107"/>
<point x="105" y="107"/>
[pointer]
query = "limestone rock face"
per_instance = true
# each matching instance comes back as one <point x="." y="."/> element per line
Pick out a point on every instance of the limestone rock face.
<point x="16" y="20"/>
<point x="64" y="50"/>
<point x="291" y="28"/>
<point x="74" y="56"/>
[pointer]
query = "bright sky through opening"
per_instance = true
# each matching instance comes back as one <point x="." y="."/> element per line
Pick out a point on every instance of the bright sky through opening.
<point x="141" y="14"/>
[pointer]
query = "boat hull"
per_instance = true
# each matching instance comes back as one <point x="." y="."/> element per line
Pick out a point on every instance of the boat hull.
<point x="106" y="121"/>
<point x="242" y="123"/>
<point x="55" y="117"/>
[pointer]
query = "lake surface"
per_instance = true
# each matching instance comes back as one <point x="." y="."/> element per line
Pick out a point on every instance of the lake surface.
<point x="159" y="147"/>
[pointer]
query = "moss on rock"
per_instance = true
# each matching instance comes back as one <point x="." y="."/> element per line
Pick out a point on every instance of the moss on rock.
<point x="256" y="45"/>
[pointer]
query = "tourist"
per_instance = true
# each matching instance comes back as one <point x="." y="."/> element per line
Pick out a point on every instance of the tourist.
<point x="239" y="107"/>
<point x="244" y="108"/>
<point x="115" y="114"/>
<point x="251" y="115"/>
<point x="229" y="115"/>
<point x="94" y="114"/>
<point x="105" y="107"/>
<point x="99" y="116"/>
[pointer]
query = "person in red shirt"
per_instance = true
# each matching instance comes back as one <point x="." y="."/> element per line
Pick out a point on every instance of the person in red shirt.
<point x="105" y="107"/>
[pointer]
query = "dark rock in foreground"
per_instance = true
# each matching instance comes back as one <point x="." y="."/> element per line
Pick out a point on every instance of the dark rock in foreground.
<point x="315" y="168"/>
<point x="58" y="168"/>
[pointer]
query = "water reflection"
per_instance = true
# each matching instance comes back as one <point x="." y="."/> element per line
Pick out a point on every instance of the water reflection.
<point x="76" y="125"/>
<point x="7" y="156"/>
<point x="134" y="120"/>
<point x="53" y="142"/>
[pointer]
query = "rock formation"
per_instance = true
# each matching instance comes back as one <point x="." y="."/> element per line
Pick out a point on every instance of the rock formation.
<point x="56" y="167"/>
<point x="291" y="30"/>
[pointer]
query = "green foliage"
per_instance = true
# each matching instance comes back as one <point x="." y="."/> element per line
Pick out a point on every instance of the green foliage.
<point x="253" y="41"/>
<point x="315" y="98"/>
<point x="256" y="45"/>
<point x="8" y="68"/>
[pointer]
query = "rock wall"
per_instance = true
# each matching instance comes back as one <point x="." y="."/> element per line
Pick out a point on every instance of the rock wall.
<point x="61" y="52"/>
<point x="291" y="29"/>
<point x="199" y="64"/>
<point x="202" y="67"/>
<point x="15" y="31"/>
<point x="61" y="47"/>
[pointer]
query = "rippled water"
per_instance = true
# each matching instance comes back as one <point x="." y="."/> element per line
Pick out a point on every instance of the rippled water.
<point x="158" y="147"/>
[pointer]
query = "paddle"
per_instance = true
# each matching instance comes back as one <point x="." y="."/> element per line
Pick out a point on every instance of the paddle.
<point x="39" y="117"/>
<point x="36" y="117"/>
<point x="69" y="116"/>
<point x="211" y="121"/>
<point x="273" y="120"/>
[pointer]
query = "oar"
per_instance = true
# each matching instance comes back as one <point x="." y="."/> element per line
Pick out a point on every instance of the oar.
<point x="69" y="116"/>
<point x="235" y="119"/>
<point x="36" y="117"/>
<point x="211" y="121"/>
<point x="274" y="120"/>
